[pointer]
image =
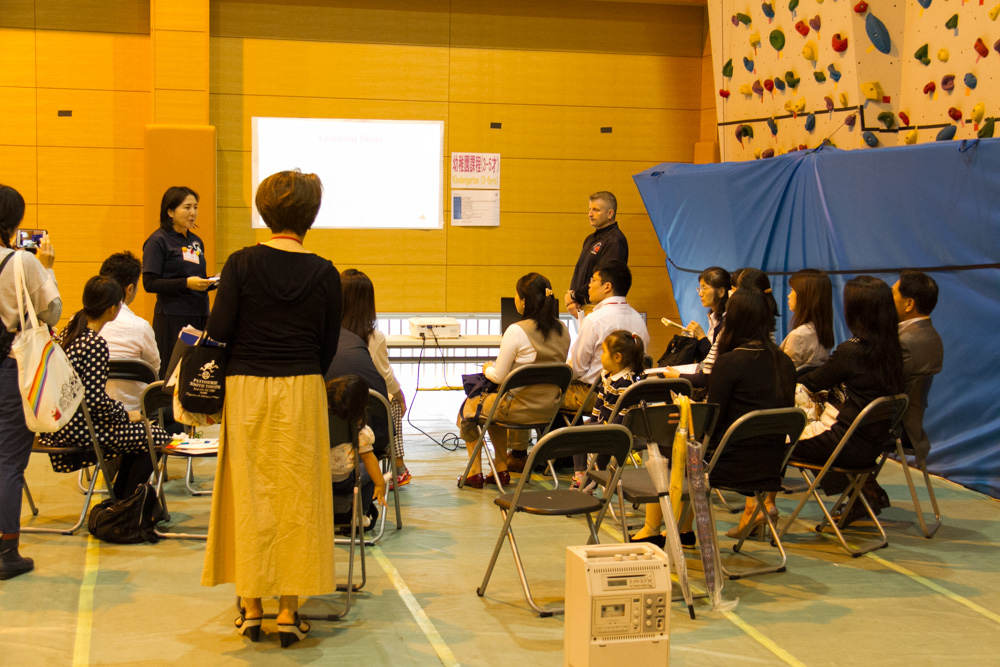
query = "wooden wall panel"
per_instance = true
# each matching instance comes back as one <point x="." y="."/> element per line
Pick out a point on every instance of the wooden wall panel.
<point x="180" y="61"/>
<point x="101" y="119"/>
<point x="17" y="116"/>
<point x="418" y="288"/>
<point x="93" y="61"/>
<point x="179" y="15"/>
<point x="322" y="69"/>
<point x="17" y="57"/>
<point x="17" y="14"/>
<point x="181" y="107"/>
<point x="90" y="176"/>
<point x="111" y="16"/>
<point x="91" y="233"/>
<point x="574" y="133"/>
<point x="583" y="79"/>
<point x="20" y="170"/>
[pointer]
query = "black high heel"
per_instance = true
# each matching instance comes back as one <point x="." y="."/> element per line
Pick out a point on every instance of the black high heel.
<point x="248" y="627"/>
<point x="656" y="540"/>
<point x="293" y="632"/>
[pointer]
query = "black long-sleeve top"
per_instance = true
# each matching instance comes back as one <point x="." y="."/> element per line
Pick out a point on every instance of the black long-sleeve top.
<point x="605" y="243"/>
<point x="278" y="313"/>
<point x="169" y="258"/>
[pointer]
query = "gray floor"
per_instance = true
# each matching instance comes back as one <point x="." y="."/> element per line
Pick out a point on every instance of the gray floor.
<point x="918" y="602"/>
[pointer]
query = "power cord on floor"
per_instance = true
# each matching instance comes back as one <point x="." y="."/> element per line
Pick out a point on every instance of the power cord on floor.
<point x="449" y="441"/>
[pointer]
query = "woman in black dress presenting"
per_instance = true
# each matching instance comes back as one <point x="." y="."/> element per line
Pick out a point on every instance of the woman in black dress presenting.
<point x="174" y="268"/>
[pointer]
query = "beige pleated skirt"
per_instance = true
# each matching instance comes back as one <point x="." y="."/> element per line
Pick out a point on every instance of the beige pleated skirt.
<point x="271" y="528"/>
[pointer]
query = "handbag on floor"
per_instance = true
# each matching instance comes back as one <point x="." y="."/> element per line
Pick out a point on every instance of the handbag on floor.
<point x="51" y="391"/>
<point x="127" y="521"/>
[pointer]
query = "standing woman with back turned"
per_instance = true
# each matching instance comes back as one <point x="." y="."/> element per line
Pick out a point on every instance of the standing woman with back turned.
<point x="15" y="438"/>
<point x="278" y="312"/>
<point x="174" y="269"/>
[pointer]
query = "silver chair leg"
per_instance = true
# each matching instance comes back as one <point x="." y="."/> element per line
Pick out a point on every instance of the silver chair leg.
<point x="928" y="532"/>
<point x="725" y="503"/>
<point x="856" y="495"/>
<point x="89" y="493"/>
<point x="31" y="501"/>
<point x="189" y="479"/>
<point x="775" y="541"/>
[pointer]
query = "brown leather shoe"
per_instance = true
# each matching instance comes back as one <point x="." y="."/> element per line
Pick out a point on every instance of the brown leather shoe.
<point x="515" y="463"/>
<point x="504" y="478"/>
<point x="473" y="481"/>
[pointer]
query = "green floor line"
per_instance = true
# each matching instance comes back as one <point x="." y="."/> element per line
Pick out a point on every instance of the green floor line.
<point x="444" y="653"/>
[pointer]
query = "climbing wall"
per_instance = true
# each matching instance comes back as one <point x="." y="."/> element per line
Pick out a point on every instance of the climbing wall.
<point x="793" y="73"/>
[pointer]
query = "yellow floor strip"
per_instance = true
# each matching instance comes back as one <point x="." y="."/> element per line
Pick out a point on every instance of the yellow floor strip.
<point x="762" y="639"/>
<point x="937" y="588"/>
<point x="444" y="654"/>
<point x="85" y="606"/>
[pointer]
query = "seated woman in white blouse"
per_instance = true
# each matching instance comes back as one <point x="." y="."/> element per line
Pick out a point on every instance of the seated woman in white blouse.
<point x="810" y="298"/>
<point x="538" y="338"/>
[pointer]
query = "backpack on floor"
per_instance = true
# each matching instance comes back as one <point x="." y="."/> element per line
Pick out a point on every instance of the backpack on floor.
<point x="127" y="521"/>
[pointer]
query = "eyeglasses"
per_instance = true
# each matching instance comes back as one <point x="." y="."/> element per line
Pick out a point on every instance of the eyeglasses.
<point x="701" y="289"/>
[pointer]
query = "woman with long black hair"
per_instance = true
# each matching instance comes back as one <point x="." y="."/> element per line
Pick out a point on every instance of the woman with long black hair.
<point x="810" y="298"/>
<point x="538" y="338"/>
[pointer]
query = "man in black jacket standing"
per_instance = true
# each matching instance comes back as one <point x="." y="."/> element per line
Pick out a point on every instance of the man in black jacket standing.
<point x="607" y="242"/>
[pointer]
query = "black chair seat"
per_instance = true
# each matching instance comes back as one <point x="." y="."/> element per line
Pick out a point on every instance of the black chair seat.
<point x="637" y="485"/>
<point x="48" y="449"/>
<point x="846" y="471"/>
<point x="551" y="503"/>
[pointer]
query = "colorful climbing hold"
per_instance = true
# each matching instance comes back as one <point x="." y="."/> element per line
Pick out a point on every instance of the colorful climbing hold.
<point x="921" y="55"/>
<point x="839" y="43"/>
<point x="743" y="18"/>
<point x="943" y="55"/>
<point x="755" y="39"/>
<point x="978" y="111"/>
<point x="872" y="90"/>
<point x="791" y="79"/>
<point x="903" y="117"/>
<point x="994" y="13"/>
<point x="954" y="113"/>
<point x="986" y="131"/>
<point x="843" y="99"/>
<point x="971" y="81"/>
<point x="779" y="83"/>
<point x="952" y="23"/>
<point x="888" y="119"/>
<point x="773" y="126"/>
<point x="996" y="44"/>
<point x="861" y="7"/>
<point x="777" y="39"/>
<point x="834" y="72"/>
<point x="948" y="82"/>
<point x="748" y="64"/>
<point x="810" y="52"/>
<point x="727" y="69"/>
<point x="792" y="4"/>
<point x="828" y="101"/>
<point x="810" y="122"/>
<point x="768" y="9"/>
<point x="815" y="22"/>
<point x="768" y="153"/>
<point x="947" y="133"/>
<point x="723" y="93"/>
<point x="757" y="88"/>
<point x="981" y="48"/>
<point x="746" y="89"/>
<point x="930" y="88"/>
<point x="768" y="85"/>
<point x="747" y="131"/>
<point x="851" y="120"/>
<point x="802" y="28"/>
<point x="870" y="138"/>
<point x="819" y="76"/>
<point x="736" y="21"/>
<point x="878" y="33"/>
<point x="911" y="137"/>
<point x="924" y="3"/>
<point x="739" y="133"/>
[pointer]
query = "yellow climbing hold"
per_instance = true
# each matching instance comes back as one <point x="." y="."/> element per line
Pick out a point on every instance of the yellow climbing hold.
<point x="978" y="111"/>
<point x="994" y="13"/>
<point x="746" y="89"/>
<point x="755" y="39"/>
<point x="810" y="52"/>
<point x="843" y="99"/>
<point x="943" y="55"/>
<point x="911" y="137"/>
<point x="872" y="90"/>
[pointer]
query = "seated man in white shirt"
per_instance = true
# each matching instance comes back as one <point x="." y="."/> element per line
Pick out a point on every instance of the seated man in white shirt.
<point x="128" y="335"/>
<point x="608" y="288"/>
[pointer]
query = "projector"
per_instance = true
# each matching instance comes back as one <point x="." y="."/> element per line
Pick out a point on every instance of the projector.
<point x="434" y="327"/>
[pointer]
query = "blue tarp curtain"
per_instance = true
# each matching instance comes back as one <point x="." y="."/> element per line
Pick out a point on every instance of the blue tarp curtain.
<point x="862" y="211"/>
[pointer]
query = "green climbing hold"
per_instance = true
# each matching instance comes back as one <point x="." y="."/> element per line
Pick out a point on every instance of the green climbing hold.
<point x="743" y="18"/>
<point x="986" y="131"/>
<point x="791" y="79"/>
<point x="921" y="55"/>
<point x="952" y="23"/>
<point x="819" y="76"/>
<point x="777" y="40"/>
<point x="792" y="4"/>
<point x="727" y="69"/>
<point x="888" y="119"/>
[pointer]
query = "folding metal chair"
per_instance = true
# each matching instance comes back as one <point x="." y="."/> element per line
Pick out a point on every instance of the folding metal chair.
<point x="523" y="377"/>
<point x="611" y="439"/>
<point x="888" y="410"/>
<point x="95" y="449"/>
<point x="785" y="423"/>
<point x="917" y="394"/>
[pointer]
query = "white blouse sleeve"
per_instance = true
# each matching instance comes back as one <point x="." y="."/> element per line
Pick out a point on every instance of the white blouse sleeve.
<point x="513" y="346"/>
<point x="379" y="351"/>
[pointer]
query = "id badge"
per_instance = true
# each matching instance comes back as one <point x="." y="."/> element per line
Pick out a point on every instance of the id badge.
<point x="190" y="255"/>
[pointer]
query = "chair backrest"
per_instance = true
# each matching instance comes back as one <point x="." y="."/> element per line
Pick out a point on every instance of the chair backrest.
<point x="153" y="400"/>
<point x="650" y="390"/>
<point x="888" y="409"/>
<point x="378" y="405"/>
<point x="610" y="439"/>
<point x="653" y="423"/>
<point x="341" y="431"/>
<point x="131" y="369"/>
<point x="784" y="422"/>
<point x="556" y="375"/>
<point x="703" y="419"/>
<point x="918" y="389"/>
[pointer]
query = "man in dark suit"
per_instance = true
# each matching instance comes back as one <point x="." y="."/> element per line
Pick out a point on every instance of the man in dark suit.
<point x="353" y="359"/>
